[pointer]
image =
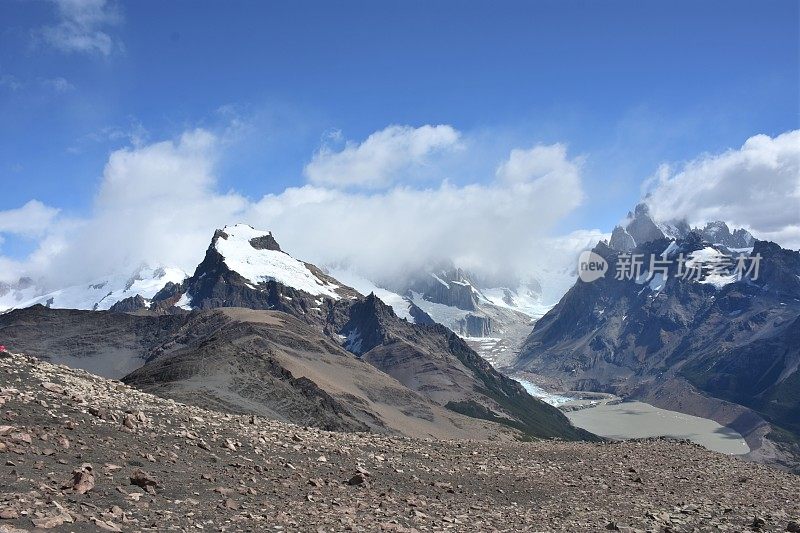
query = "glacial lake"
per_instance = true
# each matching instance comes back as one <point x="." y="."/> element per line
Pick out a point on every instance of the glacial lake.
<point x="629" y="420"/>
<point x="636" y="420"/>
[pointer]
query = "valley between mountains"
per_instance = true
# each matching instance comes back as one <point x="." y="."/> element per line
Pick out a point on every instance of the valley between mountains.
<point x="305" y="400"/>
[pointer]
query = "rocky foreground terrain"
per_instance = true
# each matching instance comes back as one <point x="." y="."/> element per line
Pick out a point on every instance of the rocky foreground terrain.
<point x="84" y="453"/>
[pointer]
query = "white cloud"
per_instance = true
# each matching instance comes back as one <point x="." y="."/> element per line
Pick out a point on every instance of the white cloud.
<point x="756" y="186"/>
<point x="381" y="158"/>
<point x="156" y="203"/>
<point x="160" y="203"/>
<point x="534" y="163"/>
<point x="31" y="220"/>
<point x="58" y="84"/>
<point x="82" y="27"/>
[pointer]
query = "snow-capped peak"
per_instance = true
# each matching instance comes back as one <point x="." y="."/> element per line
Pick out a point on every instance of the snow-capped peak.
<point x="244" y="231"/>
<point x="255" y="256"/>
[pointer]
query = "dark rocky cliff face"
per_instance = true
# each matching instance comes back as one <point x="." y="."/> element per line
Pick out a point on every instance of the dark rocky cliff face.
<point x="266" y="242"/>
<point x="641" y="227"/>
<point x="736" y="343"/>
<point x="621" y="240"/>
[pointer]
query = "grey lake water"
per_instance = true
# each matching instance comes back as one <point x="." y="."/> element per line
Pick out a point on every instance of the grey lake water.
<point x="629" y="420"/>
<point x="634" y="420"/>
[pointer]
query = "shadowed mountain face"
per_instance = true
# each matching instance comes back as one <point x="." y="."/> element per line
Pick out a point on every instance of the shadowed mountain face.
<point x="300" y="346"/>
<point x="434" y="361"/>
<point x="711" y="346"/>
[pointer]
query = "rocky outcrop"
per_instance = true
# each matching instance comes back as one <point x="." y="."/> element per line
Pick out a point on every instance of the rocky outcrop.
<point x="451" y="287"/>
<point x="420" y="317"/>
<point x="621" y="240"/>
<point x="129" y="305"/>
<point x="719" y="233"/>
<point x="473" y="325"/>
<point x="640" y="228"/>
<point x="170" y="292"/>
<point x="369" y="324"/>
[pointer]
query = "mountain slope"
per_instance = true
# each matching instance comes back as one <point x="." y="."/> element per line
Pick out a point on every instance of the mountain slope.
<point x="240" y="361"/>
<point x="104" y="343"/>
<point x="271" y="364"/>
<point x="711" y="346"/>
<point x="214" y="471"/>
<point x="434" y="361"/>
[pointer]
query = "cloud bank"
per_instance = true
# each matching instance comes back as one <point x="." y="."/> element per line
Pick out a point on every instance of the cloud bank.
<point x="756" y="186"/>
<point x="159" y="203"/>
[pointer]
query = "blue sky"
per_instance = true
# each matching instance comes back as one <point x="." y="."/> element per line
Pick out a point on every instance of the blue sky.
<point x="625" y="85"/>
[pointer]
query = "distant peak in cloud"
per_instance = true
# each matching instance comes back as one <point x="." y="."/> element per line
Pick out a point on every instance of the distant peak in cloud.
<point x="379" y="160"/>
<point x="82" y="27"/>
<point x="756" y="186"/>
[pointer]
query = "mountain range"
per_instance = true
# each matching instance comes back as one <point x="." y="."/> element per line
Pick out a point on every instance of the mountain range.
<point x="710" y="343"/>
<point x="254" y="330"/>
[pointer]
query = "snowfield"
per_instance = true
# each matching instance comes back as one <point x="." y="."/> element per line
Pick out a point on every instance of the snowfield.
<point x="399" y="304"/>
<point x="102" y="293"/>
<point x="261" y="266"/>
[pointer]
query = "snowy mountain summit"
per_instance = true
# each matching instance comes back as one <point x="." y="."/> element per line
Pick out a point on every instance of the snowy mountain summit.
<point x="240" y="259"/>
<point x="246" y="267"/>
<point x="257" y="257"/>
